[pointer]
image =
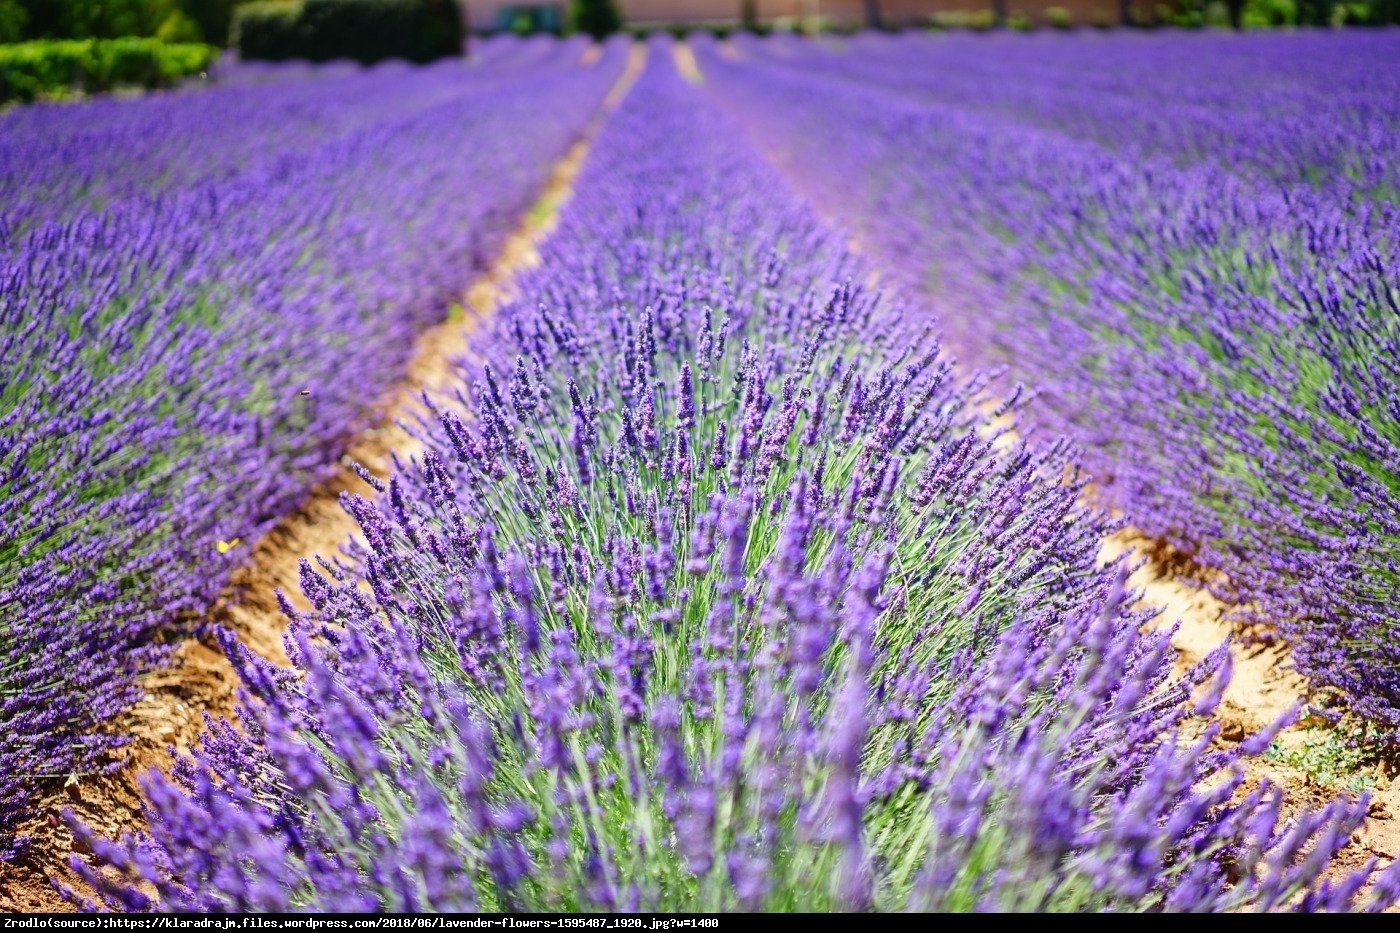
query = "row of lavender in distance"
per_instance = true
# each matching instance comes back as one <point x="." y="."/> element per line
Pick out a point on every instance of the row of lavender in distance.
<point x="720" y="594"/>
<point x="189" y="337"/>
<point x="1320" y="106"/>
<point x="1215" y="315"/>
<point x="201" y="135"/>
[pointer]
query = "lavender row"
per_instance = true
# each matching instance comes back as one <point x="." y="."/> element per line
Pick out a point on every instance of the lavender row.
<point x="714" y="591"/>
<point x="185" y="354"/>
<point x="200" y="135"/>
<point x="1320" y="105"/>
<point x="1223" y="341"/>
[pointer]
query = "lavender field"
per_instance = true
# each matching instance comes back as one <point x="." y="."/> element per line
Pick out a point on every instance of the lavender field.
<point x="757" y="419"/>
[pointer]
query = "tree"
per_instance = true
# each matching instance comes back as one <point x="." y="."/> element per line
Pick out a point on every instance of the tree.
<point x="597" y="18"/>
<point x="13" y="19"/>
<point x="872" y="14"/>
<point x="213" y="17"/>
<point x="1315" y="12"/>
<point x="748" y="14"/>
<point x="999" y="14"/>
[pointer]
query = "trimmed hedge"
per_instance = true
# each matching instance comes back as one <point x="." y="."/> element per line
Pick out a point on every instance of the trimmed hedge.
<point x="52" y="66"/>
<point x="597" y="18"/>
<point x="365" y="30"/>
<point x="267" y="31"/>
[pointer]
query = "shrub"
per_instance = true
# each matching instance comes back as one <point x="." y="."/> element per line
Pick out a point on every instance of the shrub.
<point x="978" y="20"/>
<point x="1020" y="22"/>
<point x="212" y="16"/>
<point x="267" y="30"/>
<point x="13" y="19"/>
<point x="86" y="19"/>
<point x="1057" y="17"/>
<point x="597" y="18"/>
<point x="31" y="69"/>
<point x="179" y="27"/>
<point x="1266" y="13"/>
<point x="365" y="30"/>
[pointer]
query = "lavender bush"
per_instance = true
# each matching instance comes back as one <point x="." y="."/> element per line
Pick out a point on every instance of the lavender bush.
<point x="1189" y="246"/>
<point x="715" y="591"/>
<point x="186" y="281"/>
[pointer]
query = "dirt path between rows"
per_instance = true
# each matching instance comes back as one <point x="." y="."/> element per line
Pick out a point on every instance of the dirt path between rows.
<point x="1263" y="685"/>
<point x="200" y="681"/>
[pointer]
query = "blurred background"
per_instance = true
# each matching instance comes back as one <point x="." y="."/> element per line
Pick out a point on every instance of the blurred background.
<point x="67" y="48"/>
<point x="216" y="21"/>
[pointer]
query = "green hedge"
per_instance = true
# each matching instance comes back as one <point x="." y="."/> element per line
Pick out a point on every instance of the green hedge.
<point x="365" y="30"/>
<point x="31" y="69"/>
<point x="597" y="18"/>
<point x="267" y="31"/>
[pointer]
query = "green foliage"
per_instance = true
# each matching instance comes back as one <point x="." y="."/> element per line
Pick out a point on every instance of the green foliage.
<point x="1216" y="14"/>
<point x="13" y="19"/>
<point x="1370" y="13"/>
<point x="597" y="18"/>
<point x="29" y="70"/>
<point x="179" y="27"/>
<point x="365" y="30"/>
<point x="680" y="30"/>
<point x="171" y="20"/>
<point x="1352" y="14"/>
<point x="1314" y="12"/>
<point x="1335" y="756"/>
<point x="1265" y="13"/>
<point x="1020" y="22"/>
<point x="87" y="19"/>
<point x="213" y="18"/>
<point x="979" y="20"/>
<point x="1058" y="17"/>
<point x="266" y="30"/>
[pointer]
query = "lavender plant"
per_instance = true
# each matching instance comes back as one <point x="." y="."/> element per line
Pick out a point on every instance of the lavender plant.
<point x="1203" y="290"/>
<point x="715" y="591"/>
<point x="195" y="312"/>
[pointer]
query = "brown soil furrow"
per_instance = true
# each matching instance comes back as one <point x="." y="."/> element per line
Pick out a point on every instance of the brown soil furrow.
<point x="686" y="63"/>
<point x="1263" y="687"/>
<point x="200" y="681"/>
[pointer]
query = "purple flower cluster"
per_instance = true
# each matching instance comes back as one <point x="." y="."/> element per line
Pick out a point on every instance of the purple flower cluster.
<point x="201" y="293"/>
<point x="714" y="590"/>
<point x="1190" y="246"/>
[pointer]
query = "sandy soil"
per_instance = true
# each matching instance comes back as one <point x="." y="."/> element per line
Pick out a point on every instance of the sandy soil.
<point x="200" y="679"/>
<point x="686" y="63"/>
<point x="1263" y="687"/>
